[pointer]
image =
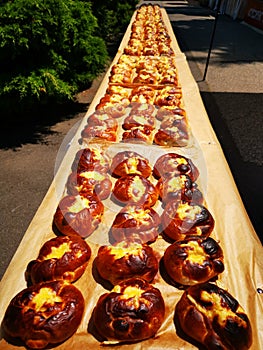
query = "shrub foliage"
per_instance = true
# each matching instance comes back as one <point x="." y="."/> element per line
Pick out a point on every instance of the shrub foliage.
<point x="49" y="50"/>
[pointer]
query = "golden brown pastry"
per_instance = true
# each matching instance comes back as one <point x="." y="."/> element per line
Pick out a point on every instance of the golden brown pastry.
<point x="101" y="132"/>
<point x="130" y="162"/>
<point x="125" y="260"/>
<point x="44" y="314"/>
<point x="182" y="219"/>
<point x="60" y="258"/>
<point x="90" y="159"/>
<point x="173" y="136"/>
<point x="136" y="120"/>
<point x="213" y="317"/>
<point x="179" y="188"/>
<point x="133" y="311"/>
<point x="172" y="164"/>
<point x="193" y="260"/>
<point x="136" y="223"/>
<point x="78" y="216"/>
<point x="138" y="134"/>
<point x="135" y="189"/>
<point x="88" y="183"/>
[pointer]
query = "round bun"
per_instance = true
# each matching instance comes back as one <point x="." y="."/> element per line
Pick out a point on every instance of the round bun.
<point x="126" y="260"/>
<point x="60" y="258"/>
<point x="135" y="223"/>
<point x="214" y="318"/>
<point x="78" y="216"/>
<point x="129" y="162"/>
<point x="132" y="311"/>
<point x="135" y="189"/>
<point x="88" y="183"/>
<point x="183" y="219"/>
<point x="90" y="159"/>
<point x="179" y="188"/>
<point x="45" y="313"/>
<point x="172" y="164"/>
<point x="193" y="260"/>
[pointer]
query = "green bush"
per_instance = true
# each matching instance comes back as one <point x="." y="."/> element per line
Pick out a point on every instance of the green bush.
<point x="113" y="16"/>
<point x="48" y="51"/>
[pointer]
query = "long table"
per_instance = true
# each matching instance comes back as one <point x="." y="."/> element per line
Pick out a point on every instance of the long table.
<point x="243" y="276"/>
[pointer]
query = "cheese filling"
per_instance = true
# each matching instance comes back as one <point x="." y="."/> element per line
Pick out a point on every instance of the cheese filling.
<point x="45" y="298"/>
<point x="119" y="251"/>
<point x="222" y="313"/>
<point x="186" y="211"/>
<point x="142" y="216"/>
<point x="131" y="294"/>
<point x="137" y="188"/>
<point x="195" y="252"/>
<point x="79" y="204"/>
<point x="176" y="183"/>
<point x="131" y="165"/>
<point x="92" y="175"/>
<point x="58" y="252"/>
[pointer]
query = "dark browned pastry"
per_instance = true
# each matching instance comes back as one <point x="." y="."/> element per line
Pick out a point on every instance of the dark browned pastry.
<point x="60" y="258"/>
<point x="138" y="134"/>
<point x="141" y="109"/>
<point x="125" y="260"/>
<point x="179" y="188"/>
<point x="88" y="183"/>
<point x="214" y="318"/>
<point x="135" y="189"/>
<point x="193" y="260"/>
<point x="78" y="216"/>
<point x="136" y="120"/>
<point x="129" y="162"/>
<point x="44" y="314"/>
<point x="182" y="219"/>
<point x="90" y="159"/>
<point x="136" y="223"/>
<point x="169" y="97"/>
<point x="172" y="164"/>
<point x="133" y="311"/>
<point x="171" y="137"/>
<point x="102" y="118"/>
<point x="102" y="132"/>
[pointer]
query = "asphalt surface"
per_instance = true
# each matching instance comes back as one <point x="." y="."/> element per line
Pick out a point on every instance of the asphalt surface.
<point x="232" y="94"/>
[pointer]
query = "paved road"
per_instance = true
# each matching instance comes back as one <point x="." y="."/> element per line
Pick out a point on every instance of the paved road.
<point x="232" y="94"/>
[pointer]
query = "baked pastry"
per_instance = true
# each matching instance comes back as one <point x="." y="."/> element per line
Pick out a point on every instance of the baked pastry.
<point x="172" y="164"/>
<point x="136" y="120"/>
<point x="193" y="260"/>
<point x="213" y="317"/>
<point x="125" y="260"/>
<point x="172" y="136"/>
<point x="102" y="132"/>
<point x="179" y="188"/>
<point x="102" y="118"/>
<point x="169" y="96"/>
<point x="88" y="183"/>
<point x="135" y="189"/>
<point x="145" y="109"/>
<point x="78" y="216"/>
<point x="182" y="219"/>
<point x="130" y="162"/>
<point x="143" y="94"/>
<point x="176" y="113"/>
<point x="135" y="223"/>
<point x="44" y="314"/>
<point x="60" y="258"/>
<point x="90" y="159"/>
<point x="138" y="134"/>
<point x="133" y="311"/>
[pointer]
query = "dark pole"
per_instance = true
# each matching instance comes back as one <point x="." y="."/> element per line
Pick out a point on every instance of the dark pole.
<point x="212" y="38"/>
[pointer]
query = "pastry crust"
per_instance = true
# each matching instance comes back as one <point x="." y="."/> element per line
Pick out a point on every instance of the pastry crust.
<point x="78" y="216"/>
<point x="129" y="162"/>
<point x="133" y="311"/>
<point x="89" y="183"/>
<point x="135" y="223"/>
<point x="60" y="258"/>
<point x="44" y="314"/>
<point x="214" y="318"/>
<point x="90" y="159"/>
<point x="135" y="189"/>
<point x="193" y="260"/>
<point x="126" y="260"/>
<point x="179" y="188"/>
<point x="172" y="164"/>
<point x="182" y="219"/>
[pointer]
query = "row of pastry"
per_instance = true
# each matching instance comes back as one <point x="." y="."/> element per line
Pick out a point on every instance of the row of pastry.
<point x="50" y="310"/>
